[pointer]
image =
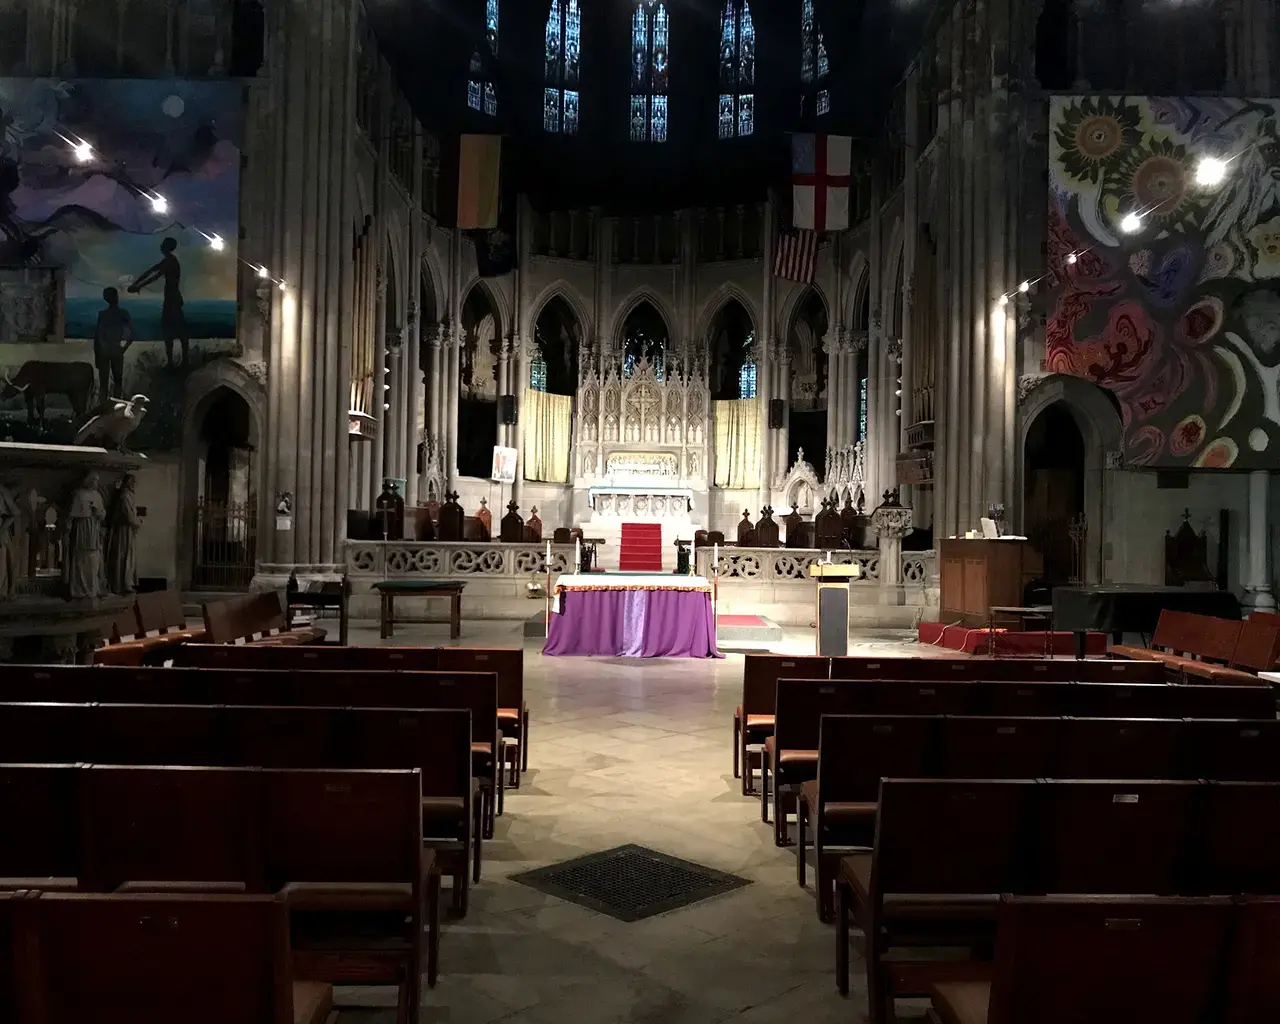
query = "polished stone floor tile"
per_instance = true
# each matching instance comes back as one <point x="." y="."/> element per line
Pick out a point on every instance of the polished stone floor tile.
<point x="628" y="751"/>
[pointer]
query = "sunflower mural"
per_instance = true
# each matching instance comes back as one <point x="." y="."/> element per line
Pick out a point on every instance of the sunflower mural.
<point x="1180" y="319"/>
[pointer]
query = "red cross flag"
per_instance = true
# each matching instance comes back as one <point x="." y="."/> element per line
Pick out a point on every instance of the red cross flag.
<point x="820" y="178"/>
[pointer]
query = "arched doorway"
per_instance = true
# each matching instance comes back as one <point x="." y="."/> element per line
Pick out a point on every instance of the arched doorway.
<point x="733" y="368"/>
<point x="644" y="337"/>
<point x="807" y="421"/>
<point x="225" y="548"/>
<point x="478" y="385"/>
<point x="1053" y="493"/>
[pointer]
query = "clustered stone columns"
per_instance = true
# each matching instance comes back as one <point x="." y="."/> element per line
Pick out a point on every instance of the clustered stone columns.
<point x="434" y="482"/>
<point x="312" y="95"/>
<point x="1258" y="594"/>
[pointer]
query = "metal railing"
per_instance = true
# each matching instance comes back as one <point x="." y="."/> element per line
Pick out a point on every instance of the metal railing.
<point x="226" y="544"/>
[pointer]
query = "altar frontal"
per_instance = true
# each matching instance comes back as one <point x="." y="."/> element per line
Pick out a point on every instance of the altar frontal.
<point x="632" y="615"/>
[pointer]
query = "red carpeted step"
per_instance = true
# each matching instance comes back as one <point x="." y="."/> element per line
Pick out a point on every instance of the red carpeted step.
<point x="640" y="549"/>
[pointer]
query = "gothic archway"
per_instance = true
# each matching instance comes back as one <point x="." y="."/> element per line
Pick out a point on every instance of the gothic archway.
<point x="558" y="335"/>
<point x="731" y="341"/>
<point x="477" y="424"/>
<point x="807" y="419"/>
<point x="645" y="337"/>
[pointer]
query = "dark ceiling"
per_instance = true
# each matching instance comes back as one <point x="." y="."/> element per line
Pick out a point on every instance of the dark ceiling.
<point x="429" y="43"/>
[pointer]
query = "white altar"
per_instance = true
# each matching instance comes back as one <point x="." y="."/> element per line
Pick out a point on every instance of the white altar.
<point x="641" y="450"/>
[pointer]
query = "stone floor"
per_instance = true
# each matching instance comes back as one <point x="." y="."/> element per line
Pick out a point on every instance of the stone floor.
<point x="631" y="751"/>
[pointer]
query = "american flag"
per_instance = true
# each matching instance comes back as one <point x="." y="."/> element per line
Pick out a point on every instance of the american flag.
<point x="796" y="256"/>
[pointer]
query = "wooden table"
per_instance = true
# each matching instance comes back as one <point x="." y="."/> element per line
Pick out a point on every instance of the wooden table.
<point x="388" y="589"/>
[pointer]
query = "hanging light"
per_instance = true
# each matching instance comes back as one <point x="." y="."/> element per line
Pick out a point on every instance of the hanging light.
<point x="1072" y="258"/>
<point x="1004" y="300"/>
<point x="1024" y="287"/>
<point x="82" y="151"/>
<point x="216" y="243"/>
<point x="1210" y="172"/>
<point x="159" y="203"/>
<point x="283" y="287"/>
<point x="1131" y="224"/>
<point x="263" y="273"/>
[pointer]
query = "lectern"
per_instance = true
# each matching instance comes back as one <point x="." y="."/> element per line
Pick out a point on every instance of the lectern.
<point x="833" y="606"/>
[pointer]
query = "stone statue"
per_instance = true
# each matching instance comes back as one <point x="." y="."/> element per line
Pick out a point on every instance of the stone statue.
<point x="123" y="524"/>
<point x="10" y="522"/>
<point x="83" y="552"/>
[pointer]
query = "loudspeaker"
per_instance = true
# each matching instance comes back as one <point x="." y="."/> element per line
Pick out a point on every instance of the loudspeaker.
<point x="776" y="408"/>
<point x="507" y="408"/>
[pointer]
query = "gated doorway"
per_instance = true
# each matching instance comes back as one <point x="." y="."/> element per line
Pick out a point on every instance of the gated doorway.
<point x="226" y="507"/>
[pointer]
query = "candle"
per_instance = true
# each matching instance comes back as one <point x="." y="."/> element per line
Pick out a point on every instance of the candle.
<point x="577" y="554"/>
<point x="828" y="557"/>
<point x="715" y="556"/>
<point x="548" y="556"/>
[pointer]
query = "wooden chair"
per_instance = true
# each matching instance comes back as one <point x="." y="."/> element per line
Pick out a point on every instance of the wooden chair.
<point x="1114" y="748"/>
<point x="1024" y="700"/>
<point x="900" y="697"/>
<point x="345" y="850"/>
<point x="854" y="753"/>
<point x="1225" y="700"/>
<point x="1257" y="650"/>
<point x="1186" y="557"/>
<point x="913" y="891"/>
<point x="753" y="718"/>
<point x="1120" y="700"/>
<point x="1253" y="992"/>
<point x="978" y="747"/>
<point x="1238" y="838"/>
<point x="8" y="945"/>
<point x="1067" y="959"/>
<point x="1114" y="837"/>
<point x="1176" y="632"/>
<point x="513" y="712"/>
<point x="791" y="753"/>
<point x="41" y="847"/>
<point x="150" y="959"/>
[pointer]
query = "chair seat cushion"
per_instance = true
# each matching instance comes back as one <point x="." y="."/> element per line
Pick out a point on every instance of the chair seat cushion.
<point x="760" y="721"/>
<point x="312" y="1002"/>
<point x="509" y="714"/>
<point x="836" y="811"/>
<point x="435" y="808"/>
<point x="798" y="757"/>
<point x="481" y="749"/>
<point x="961" y="1002"/>
<point x="1135" y="653"/>
<point x="737" y="713"/>
<point x="1231" y="676"/>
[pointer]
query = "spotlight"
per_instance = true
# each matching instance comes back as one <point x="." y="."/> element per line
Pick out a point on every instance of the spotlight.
<point x="83" y="151"/>
<point x="898" y="393"/>
<point x="1072" y="258"/>
<point x="159" y="203"/>
<point x="1131" y="224"/>
<point x="263" y="273"/>
<point x="283" y="287"/>
<point x="1024" y="287"/>
<point x="386" y="387"/>
<point x="1210" y="172"/>
<point x="216" y="243"/>
<point x="1004" y="300"/>
<point x="386" y="406"/>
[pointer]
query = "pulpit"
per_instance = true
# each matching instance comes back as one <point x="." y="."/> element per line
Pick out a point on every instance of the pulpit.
<point x="978" y="575"/>
<point x="832" y="615"/>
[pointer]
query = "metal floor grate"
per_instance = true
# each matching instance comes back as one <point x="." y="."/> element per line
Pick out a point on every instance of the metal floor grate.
<point x="630" y="883"/>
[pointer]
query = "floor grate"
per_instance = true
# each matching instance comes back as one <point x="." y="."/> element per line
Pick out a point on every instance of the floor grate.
<point x="630" y="883"/>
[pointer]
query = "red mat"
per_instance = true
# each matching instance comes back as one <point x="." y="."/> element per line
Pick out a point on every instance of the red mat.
<point x="742" y="620"/>
<point x="641" y="547"/>
<point x="1029" y="643"/>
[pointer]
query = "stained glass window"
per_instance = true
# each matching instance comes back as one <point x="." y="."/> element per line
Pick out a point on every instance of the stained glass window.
<point x="814" y="65"/>
<point x="736" y="114"/>
<point x="563" y="53"/>
<point x="650" y="43"/>
<point x="538" y="373"/>
<point x="481" y="94"/>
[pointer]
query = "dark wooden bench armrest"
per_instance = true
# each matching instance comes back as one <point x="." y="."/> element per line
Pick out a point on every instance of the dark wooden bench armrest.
<point x="348" y="895"/>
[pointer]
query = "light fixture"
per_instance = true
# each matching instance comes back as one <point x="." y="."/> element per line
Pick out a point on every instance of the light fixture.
<point x="159" y="203"/>
<point x="1024" y="287"/>
<point x="898" y="393"/>
<point x="1004" y="300"/>
<point x="263" y="273"/>
<point x="1210" y="172"/>
<point x="386" y="406"/>
<point x="283" y="287"/>
<point x="386" y="387"/>
<point x="1072" y="258"/>
<point x="1131" y="224"/>
<point x="83" y="151"/>
<point x="216" y="243"/>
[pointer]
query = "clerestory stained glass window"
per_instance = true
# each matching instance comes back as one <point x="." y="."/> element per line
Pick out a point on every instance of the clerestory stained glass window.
<point x="481" y="94"/>
<point x="538" y="373"/>
<point x="737" y="70"/>
<point x="650" y="41"/>
<point x="814" y="65"/>
<point x="563" y="54"/>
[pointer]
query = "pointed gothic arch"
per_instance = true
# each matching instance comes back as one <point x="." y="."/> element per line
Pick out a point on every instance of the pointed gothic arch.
<point x="717" y="300"/>
<point x="628" y="305"/>
<point x="731" y="344"/>
<point x="557" y="333"/>
<point x="560" y="290"/>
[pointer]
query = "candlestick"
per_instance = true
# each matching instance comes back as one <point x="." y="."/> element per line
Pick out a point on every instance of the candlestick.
<point x="577" y="554"/>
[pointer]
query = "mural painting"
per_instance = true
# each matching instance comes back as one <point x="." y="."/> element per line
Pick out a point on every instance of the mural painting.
<point x="1176" y="309"/>
<point x="119" y="214"/>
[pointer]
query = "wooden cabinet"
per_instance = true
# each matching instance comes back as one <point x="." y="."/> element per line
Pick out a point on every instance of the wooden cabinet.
<point x="979" y="574"/>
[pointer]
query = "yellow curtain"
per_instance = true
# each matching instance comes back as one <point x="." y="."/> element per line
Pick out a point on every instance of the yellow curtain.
<point x="738" y="443"/>
<point x="548" y="421"/>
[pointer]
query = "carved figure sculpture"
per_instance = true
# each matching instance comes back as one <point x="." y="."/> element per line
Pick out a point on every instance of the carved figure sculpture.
<point x="123" y="524"/>
<point x="10" y="521"/>
<point x="84" y="566"/>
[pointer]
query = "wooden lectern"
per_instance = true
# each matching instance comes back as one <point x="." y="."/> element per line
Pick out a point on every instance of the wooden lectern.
<point x="832" y="614"/>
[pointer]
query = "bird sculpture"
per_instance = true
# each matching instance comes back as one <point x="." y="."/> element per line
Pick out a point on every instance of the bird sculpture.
<point x="111" y="427"/>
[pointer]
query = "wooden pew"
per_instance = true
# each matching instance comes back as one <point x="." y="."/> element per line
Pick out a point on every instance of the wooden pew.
<point x="1254" y="984"/>
<point x="254" y="619"/>
<point x="435" y="741"/>
<point x="753" y="719"/>
<point x="1106" y="961"/>
<point x="507" y="663"/>
<point x="1018" y="670"/>
<point x="8" y="987"/>
<point x="149" y="959"/>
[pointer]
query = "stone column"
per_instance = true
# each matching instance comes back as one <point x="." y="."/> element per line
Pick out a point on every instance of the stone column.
<point x="411" y="363"/>
<point x="1258" y="594"/>
<point x="503" y="385"/>
<point x="781" y="459"/>
<point x="449" y="386"/>
<point x="831" y="346"/>
<point x="891" y="522"/>
<point x="313" y="86"/>
<point x="523" y="352"/>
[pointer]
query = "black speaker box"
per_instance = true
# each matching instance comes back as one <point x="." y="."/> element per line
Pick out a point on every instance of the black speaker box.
<point x="777" y="408"/>
<point x="507" y="405"/>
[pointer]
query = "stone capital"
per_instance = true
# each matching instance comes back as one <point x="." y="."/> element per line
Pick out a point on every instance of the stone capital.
<point x="891" y="522"/>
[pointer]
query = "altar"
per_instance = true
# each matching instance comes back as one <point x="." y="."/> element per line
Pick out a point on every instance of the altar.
<point x="632" y="615"/>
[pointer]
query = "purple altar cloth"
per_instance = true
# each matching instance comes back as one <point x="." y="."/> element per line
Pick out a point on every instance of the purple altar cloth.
<point x="633" y="624"/>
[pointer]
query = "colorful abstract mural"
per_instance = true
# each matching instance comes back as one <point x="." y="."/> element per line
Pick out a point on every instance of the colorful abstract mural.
<point x="127" y="192"/>
<point x="1179" y="317"/>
